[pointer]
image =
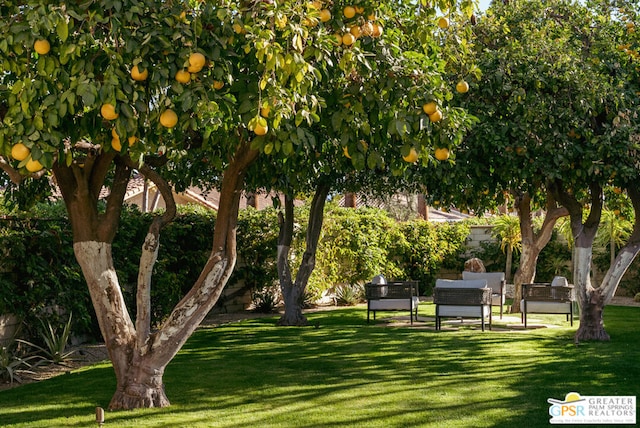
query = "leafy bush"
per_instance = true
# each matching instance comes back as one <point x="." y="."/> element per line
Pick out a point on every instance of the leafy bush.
<point x="554" y="260"/>
<point x="39" y="272"/>
<point x="430" y="247"/>
<point x="354" y="246"/>
<point x="257" y="249"/>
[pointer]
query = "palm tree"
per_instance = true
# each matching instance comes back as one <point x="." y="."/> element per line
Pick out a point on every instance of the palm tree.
<point x="613" y="232"/>
<point x="506" y="228"/>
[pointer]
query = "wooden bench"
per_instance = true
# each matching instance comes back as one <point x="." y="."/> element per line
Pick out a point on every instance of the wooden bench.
<point x="544" y="298"/>
<point x="466" y="298"/>
<point x="392" y="296"/>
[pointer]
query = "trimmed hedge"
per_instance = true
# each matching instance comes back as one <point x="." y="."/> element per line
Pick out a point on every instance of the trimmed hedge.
<point x="41" y="278"/>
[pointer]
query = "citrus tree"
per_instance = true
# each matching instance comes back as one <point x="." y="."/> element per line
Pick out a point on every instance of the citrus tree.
<point x="556" y="126"/>
<point x="91" y="91"/>
<point x="495" y="169"/>
<point x="387" y="108"/>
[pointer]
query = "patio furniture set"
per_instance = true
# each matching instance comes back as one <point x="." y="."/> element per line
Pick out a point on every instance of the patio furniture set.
<point x="473" y="296"/>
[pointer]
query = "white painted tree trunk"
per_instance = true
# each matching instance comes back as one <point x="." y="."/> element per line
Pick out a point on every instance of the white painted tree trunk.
<point x="590" y="300"/>
<point x="139" y="357"/>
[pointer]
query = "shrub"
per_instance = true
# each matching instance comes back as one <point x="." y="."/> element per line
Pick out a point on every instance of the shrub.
<point x="349" y="294"/>
<point x="354" y="246"/>
<point x="40" y="274"/>
<point x="428" y="248"/>
<point x="14" y="360"/>
<point x="265" y="300"/>
<point x="257" y="249"/>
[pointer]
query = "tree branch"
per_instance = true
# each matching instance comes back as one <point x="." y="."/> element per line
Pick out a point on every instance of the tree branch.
<point x="149" y="255"/>
<point x="13" y="173"/>
<point x="194" y="306"/>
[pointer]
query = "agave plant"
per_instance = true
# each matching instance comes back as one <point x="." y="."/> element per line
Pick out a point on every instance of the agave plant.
<point x="13" y="362"/>
<point x="349" y="294"/>
<point x="55" y="345"/>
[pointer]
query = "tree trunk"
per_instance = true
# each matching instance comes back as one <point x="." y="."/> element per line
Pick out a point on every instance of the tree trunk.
<point x="291" y="291"/>
<point x="292" y="308"/>
<point x="524" y="275"/>
<point x="140" y="356"/>
<point x="532" y="243"/>
<point x="142" y="387"/>
<point x="509" y="263"/>
<point x="591" y="300"/>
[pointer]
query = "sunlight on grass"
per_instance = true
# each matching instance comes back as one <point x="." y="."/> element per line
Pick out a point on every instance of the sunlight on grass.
<point x="348" y="373"/>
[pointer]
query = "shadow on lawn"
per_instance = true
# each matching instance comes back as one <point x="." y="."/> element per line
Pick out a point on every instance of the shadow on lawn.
<point x="70" y="395"/>
<point x="409" y="377"/>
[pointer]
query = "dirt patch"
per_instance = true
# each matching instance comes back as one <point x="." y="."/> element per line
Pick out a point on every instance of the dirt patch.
<point x="624" y="301"/>
<point x="83" y="355"/>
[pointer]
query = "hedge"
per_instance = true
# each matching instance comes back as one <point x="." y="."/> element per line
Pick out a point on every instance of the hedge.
<point x="41" y="278"/>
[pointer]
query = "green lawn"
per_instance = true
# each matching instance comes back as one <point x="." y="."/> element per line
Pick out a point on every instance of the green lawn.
<point x="348" y="374"/>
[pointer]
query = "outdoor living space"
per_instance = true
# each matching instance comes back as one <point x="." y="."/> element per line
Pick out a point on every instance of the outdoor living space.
<point x="339" y="371"/>
<point x="509" y="322"/>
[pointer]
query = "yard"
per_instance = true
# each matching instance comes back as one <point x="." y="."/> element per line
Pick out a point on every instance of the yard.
<point x="342" y="372"/>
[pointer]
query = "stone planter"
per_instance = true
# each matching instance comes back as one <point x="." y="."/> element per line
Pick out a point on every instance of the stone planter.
<point x="8" y="326"/>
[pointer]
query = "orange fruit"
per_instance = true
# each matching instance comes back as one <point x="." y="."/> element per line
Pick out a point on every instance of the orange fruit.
<point x="356" y="31"/>
<point x="430" y="107"/>
<point x="436" y="116"/>
<point x="138" y="75"/>
<point x="196" y="62"/>
<point x="349" y="12"/>
<point x="20" y="152"/>
<point x="33" y="165"/>
<point x="412" y="156"/>
<point x="115" y="144"/>
<point x="462" y="87"/>
<point x="168" y="118"/>
<point x="261" y="129"/>
<point x="377" y="30"/>
<point x="367" y="29"/>
<point x="348" y="39"/>
<point x="325" y="15"/>
<point x="108" y="111"/>
<point x="183" y="76"/>
<point x="42" y="46"/>
<point x="443" y="22"/>
<point x="442" y="153"/>
<point x="217" y="84"/>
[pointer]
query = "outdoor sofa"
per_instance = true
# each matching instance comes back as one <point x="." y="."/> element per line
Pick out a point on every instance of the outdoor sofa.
<point x="383" y="295"/>
<point x="496" y="281"/>
<point x="557" y="297"/>
<point x="462" y="298"/>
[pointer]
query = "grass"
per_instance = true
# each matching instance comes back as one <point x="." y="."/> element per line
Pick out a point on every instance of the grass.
<point x="348" y="374"/>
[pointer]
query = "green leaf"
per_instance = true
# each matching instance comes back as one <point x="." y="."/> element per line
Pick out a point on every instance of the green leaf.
<point x="63" y="30"/>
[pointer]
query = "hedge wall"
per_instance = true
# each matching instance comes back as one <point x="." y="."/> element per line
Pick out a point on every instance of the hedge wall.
<point x="41" y="278"/>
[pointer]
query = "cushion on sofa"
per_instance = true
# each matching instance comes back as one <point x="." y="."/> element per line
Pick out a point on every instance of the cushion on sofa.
<point x="494" y="281"/>
<point x="461" y="283"/>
